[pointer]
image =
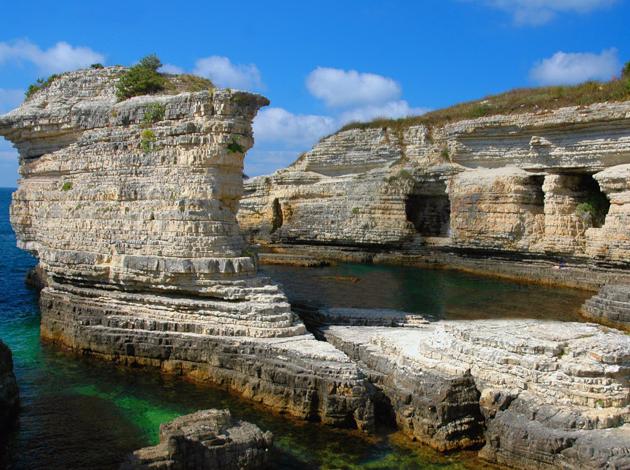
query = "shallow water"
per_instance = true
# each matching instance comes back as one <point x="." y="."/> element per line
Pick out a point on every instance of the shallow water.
<point x="82" y="413"/>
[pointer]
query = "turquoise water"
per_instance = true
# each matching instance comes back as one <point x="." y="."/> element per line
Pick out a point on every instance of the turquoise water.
<point x="81" y="413"/>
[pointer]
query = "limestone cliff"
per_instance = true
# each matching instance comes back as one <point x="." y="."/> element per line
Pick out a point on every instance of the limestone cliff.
<point x="548" y="185"/>
<point x="131" y="209"/>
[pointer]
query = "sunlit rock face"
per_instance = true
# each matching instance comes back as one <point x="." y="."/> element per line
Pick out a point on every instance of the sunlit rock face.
<point x="551" y="183"/>
<point x="132" y="215"/>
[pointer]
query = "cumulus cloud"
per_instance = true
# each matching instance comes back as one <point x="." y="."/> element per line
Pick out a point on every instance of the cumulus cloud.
<point x="564" y="68"/>
<point x="170" y="68"/>
<point x="343" y="88"/>
<point x="390" y="110"/>
<point x="10" y="98"/>
<point x="59" y="58"/>
<point x="280" y="125"/>
<point x="537" y="12"/>
<point x="224" y="73"/>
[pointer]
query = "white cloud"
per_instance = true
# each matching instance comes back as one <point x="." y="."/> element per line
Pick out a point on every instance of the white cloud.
<point x="9" y="99"/>
<point x="341" y="88"/>
<point x="537" y="12"/>
<point x="572" y="68"/>
<point x="59" y="58"/>
<point x="226" y="74"/>
<point x="280" y="125"/>
<point x="390" y="110"/>
<point x="170" y="68"/>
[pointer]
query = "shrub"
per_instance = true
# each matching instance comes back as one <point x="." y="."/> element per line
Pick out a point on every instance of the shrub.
<point x="147" y="139"/>
<point x="153" y="113"/>
<point x="626" y="70"/>
<point x="40" y="84"/>
<point x="355" y="210"/>
<point x="97" y="66"/>
<point x="67" y="186"/>
<point x="141" y="79"/>
<point x="235" y="147"/>
<point x="445" y="154"/>
<point x="595" y="209"/>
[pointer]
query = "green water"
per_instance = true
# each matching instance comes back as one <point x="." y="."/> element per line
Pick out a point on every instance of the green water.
<point x="81" y="413"/>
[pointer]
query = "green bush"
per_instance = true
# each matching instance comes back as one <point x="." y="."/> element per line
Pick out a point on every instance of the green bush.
<point x="141" y="79"/>
<point x="595" y="209"/>
<point x="153" y="113"/>
<point x="355" y="210"/>
<point x="626" y="70"/>
<point x="40" y="84"/>
<point x="67" y="186"/>
<point x="235" y="147"/>
<point x="97" y="66"/>
<point x="445" y="154"/>
<point x="147" y="139"/>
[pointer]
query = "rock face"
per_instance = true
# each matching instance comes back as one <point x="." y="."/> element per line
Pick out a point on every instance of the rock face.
<point x="551" y="185"/>
<point x="131" y="209"/>
<point x="540" y="394"/>
<point x="208" y="439"/>
<point x="9" y="394"/>
<point x="610" y="306"/>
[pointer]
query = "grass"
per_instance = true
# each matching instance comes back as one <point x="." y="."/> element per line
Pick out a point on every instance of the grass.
<point x="186" y="82"/>
<point x="514" y="102"/>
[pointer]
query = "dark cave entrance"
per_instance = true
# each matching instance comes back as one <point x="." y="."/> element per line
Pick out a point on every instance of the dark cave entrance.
<point x="277" y="218"/>
<point x="593" y="205"/>
<point x="429" y="214"/>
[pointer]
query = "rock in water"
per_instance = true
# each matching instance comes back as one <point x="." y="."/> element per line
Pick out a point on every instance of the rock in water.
<point x="131" y="209"/>
<point x="9" y="395"/>
<point x="208" y="439"/>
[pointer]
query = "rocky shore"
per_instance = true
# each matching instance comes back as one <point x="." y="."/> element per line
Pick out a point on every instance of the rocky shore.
<point x="208" y="439"/>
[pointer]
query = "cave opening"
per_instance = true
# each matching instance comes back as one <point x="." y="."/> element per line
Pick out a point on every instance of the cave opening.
<point x="429" y="214"/>
<point x="276" y="218"/>
<point x="593" y="205"/>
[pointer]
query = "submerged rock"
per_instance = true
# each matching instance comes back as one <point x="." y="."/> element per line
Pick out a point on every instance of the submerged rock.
<point x="208" y="439"/>
<point x="9" y="394"/>
<point x="540" y="394"/>
<point x="131" y="209"/>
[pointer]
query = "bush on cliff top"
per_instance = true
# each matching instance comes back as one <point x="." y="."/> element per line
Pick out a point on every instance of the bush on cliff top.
<point x="40" y="84"/>
<point x="141" y="79"/>
<point x="514" y="102"/>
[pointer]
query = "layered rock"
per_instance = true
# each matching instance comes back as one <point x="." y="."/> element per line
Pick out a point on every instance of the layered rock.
<point x="208" y="439"/>
<point x="540" y="394"/>
<point x="9" y="394"/>
<point x="531" y="185"/>
<point x="130" y="207"/>
<point x="610" y="306"/>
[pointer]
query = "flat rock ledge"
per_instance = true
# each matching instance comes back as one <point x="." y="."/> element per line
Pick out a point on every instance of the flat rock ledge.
<point x="534" y="394"/>
<point x="208" y="439"/>
<point x="9" y="394"/>
<point x="611" y="306"/>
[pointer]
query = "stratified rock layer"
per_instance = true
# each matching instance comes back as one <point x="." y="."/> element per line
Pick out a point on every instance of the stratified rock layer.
<point x="550" y="185"/>
<point x="209" y="439"/>
<point x="130" y="207"/>
<point x="611" y="306"/>
<point x="541" y="394"/>
<point x="9" y="394"/>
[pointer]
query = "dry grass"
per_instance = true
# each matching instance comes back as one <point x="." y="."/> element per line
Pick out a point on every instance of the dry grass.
<point x="512" y="102"/>
<point x="186" y="82"/>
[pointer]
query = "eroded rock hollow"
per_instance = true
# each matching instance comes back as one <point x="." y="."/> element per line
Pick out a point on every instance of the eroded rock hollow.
<point x="132" y="214"/>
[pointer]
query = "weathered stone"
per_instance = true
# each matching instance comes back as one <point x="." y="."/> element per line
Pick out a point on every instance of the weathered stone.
<point x="208" y="439"/>
<point x="9" y="394"/>
<point x="549" y="394"/>
<point x="134" y="224"/>
<point x="610" y="306"/>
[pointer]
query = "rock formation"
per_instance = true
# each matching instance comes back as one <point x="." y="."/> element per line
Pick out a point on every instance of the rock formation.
<point x="540" y="394"/>
<point x="209" y="439"/>
<point x="550" y="186"/>
<point x="610" y="306"/>
<point x="9" y="394"/>
<point x="131" y="209"/>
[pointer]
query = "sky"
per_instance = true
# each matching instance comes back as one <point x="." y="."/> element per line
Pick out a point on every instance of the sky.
<point x="321" y="63"/>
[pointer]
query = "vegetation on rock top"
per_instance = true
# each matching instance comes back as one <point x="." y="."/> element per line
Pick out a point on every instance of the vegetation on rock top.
<point x="40" y="84"/>
<point x="514" y="102"/>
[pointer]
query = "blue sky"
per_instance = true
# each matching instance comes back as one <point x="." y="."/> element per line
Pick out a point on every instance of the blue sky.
<point x="321" y="63"/>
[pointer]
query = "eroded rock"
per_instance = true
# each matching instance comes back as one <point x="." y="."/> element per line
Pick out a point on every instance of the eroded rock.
<point x="208" y="439"/>
<point x="9" y="394"/>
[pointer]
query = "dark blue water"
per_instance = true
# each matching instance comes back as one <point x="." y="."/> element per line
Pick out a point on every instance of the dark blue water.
<point x="82" y="413"/>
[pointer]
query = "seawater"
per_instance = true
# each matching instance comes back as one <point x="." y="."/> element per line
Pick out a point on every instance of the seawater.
<point x="79" y="413"/>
